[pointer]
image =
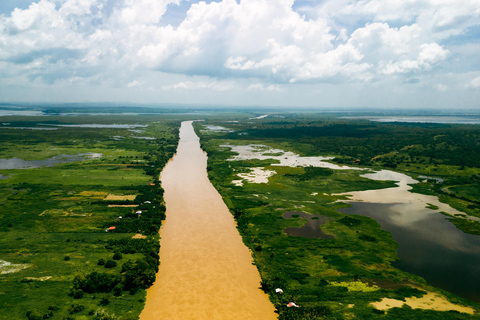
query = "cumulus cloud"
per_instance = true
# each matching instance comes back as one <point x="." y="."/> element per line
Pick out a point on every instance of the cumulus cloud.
<point x="269" y="40"/>
<point x="475" y="83"/>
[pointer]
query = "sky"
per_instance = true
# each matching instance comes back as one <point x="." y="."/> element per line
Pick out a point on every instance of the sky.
<point x="308" y="53"/>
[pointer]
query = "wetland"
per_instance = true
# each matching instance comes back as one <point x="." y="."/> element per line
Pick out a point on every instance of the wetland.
<point x="350" y="218"/>
<point x="360" y="249"/>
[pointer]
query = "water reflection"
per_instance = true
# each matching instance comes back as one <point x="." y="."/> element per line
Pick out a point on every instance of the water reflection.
<point x="311" y="229"/>
<point x="429" y="245"/>
<point x="16" y="163"/>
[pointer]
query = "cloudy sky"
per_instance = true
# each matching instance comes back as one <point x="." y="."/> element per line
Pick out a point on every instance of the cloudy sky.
<point x="325" y="53"/>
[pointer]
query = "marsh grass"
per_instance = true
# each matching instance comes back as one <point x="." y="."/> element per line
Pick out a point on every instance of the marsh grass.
<point x="51" y="213"/>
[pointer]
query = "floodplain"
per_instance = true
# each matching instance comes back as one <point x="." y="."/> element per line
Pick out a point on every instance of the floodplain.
<point x="79" y="239"/>
<point x="73" y="244"/>
<point x="352" y="271"/>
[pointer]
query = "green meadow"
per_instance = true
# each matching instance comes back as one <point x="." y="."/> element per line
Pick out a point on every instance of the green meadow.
<point x="56" y="259"/>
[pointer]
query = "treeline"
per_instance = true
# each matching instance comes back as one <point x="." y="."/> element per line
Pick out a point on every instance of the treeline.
<point x="430" y="143"/>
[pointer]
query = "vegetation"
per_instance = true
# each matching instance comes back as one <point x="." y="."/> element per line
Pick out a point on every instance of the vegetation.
<point x="338" y="277"/>
<point x="67" y="243"/>
<point x="66" y="229"/>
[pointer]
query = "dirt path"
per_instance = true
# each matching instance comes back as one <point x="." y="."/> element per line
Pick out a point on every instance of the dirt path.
<point x="206" y="270"/>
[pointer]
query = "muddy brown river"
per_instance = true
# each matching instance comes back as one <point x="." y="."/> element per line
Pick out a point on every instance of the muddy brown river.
<point x="206" y="271"/>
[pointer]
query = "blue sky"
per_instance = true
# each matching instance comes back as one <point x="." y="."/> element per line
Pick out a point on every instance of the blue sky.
<point x="327" y="53"/>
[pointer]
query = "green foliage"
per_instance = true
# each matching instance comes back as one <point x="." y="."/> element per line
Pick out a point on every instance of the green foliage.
<point x="366" y="237"/>
<point x="51" y="213"/>
<point x="117" y="256"/>
<point x="350" y="222"/>
<point x="110" y="264"/>
<point x="96" y="282"/>
<point x="76" y="308"/>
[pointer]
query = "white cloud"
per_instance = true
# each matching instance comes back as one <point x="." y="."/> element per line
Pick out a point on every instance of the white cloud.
<point x="429" y="55"/>
<point x="135" y="84"/>
<point x="190" y="85"/>
<point x="336" y="41"/>
<point x="475" y="83"/>
<point x="263" y="87"/>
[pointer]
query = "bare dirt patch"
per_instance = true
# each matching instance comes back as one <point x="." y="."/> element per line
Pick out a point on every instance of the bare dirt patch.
<point x="93" y="194"/>
<point x="114" y="197"/>
<point x="123" y="205"/>
<point x="139" y="236"/>
<point x="430" y="301"/>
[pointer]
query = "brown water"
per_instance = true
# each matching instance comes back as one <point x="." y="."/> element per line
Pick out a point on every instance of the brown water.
<point x="206" y="271"/>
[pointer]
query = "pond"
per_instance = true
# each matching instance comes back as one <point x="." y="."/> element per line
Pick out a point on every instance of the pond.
<point x="311" y="229"/>
<point x="16" y="163"/>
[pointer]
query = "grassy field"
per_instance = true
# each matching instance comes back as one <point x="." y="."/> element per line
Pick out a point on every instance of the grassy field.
<point x="335" y="277"/>
<point x="56" y="260"/>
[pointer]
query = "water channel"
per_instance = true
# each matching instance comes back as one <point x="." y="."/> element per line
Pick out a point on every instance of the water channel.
<point x="206" y="271"/>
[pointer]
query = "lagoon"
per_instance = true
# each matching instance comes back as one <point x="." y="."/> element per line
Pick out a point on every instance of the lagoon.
<point x="429" y="245"/>
<point x="16" y="163"/>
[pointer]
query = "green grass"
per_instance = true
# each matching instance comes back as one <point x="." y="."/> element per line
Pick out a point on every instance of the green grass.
<point x="53" y="219"/>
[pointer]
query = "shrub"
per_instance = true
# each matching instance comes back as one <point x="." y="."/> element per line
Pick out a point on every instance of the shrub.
<point x="96" y="282"/>
<point x="117" y="256"/>
<point x="349" y="221"/>
<point x="104" y="301"/>
<point x="66" y="258"/>
<point x="77" y="294"/>
<point x="117" y="291"/>
<point x="139" y="274"/>
<point x="76" y="308"/>
<point x="365" y="237"/>
<point x="33" y="315"/>
<point x="110" y="264"/>
<point x="101" y="262"/>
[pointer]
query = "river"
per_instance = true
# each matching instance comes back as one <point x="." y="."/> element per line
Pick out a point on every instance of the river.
<point x="206" y="271"/>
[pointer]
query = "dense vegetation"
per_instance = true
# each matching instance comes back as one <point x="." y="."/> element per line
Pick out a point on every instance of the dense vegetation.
<point x="337" y="277"/>
<point x="446" y="151"/>
<point x="66" y="245"/>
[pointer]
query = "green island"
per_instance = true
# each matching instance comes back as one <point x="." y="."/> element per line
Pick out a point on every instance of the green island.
<point x="79" y="236"/>
<point x="343" y="271"/>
